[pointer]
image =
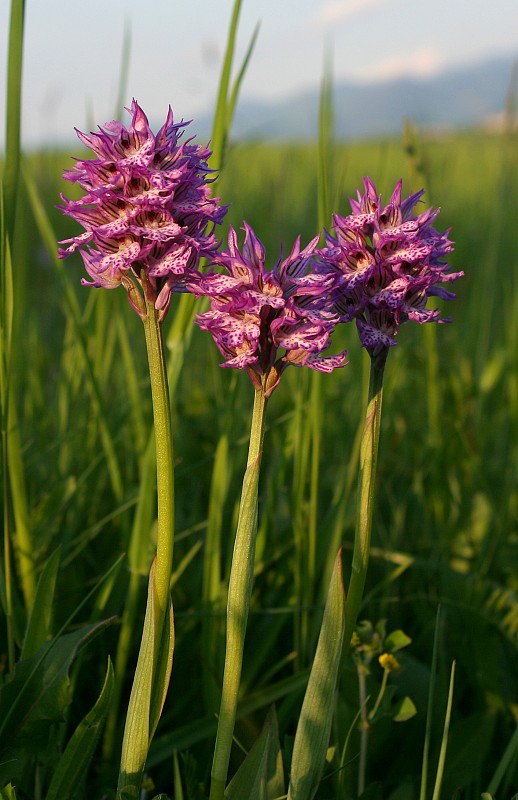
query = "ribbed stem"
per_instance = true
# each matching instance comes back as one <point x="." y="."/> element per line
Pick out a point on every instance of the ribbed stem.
<point x="164" y="458"/>
<point x="155" y="655"/>
<point x="365" y="501"/>
<point x="239" y="590"/>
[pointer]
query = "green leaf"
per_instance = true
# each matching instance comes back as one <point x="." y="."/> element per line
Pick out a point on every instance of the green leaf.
<point x="162" y="672"/>
<point x="312" y="737"/>
<point x="80" y="749"/>
<point x="404" y="710"/>
<point x="38" y="627"/>
<point x="396" y="641"/>
<point x="8" y="792"/>
<point x="147" y="695"/>
<point x="275" y="770"/>
<point x="260" y="776"/>
<point x="37" y="698"/>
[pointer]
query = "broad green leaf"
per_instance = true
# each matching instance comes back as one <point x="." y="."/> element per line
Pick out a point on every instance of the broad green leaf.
<point x="404" y="710"/>
<point x="312" y="736"/>
<point x="80" y="749"/>
<point x="38" y="627"/>
<point x="37" y="698"/>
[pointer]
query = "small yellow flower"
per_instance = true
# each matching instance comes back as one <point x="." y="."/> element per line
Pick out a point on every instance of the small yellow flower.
<point x="148" y="784"/>
<point x="389" y="662"/>
<point x="355" y="640"/>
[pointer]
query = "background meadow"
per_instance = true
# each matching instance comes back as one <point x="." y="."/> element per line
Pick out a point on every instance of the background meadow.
<point x="445" y="530"/>
<point x="445" y="527"/>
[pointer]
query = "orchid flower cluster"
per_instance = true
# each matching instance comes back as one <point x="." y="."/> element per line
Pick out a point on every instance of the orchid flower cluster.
<point x="255" y="313"/>
<point x="149" y="218"/>
<point x="388" y="263"/>
<point x="147" y="210"/>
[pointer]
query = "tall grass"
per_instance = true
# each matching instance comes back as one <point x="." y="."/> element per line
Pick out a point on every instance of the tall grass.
<point x="451" y="514"/>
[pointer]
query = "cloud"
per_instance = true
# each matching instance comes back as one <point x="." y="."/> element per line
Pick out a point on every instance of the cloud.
<point x="421" y="63"/>
<point x="336" y="11"/>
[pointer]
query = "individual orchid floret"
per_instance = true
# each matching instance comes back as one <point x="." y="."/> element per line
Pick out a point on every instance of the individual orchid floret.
<point x="388" y="261"/>
<point x="147" y="211"/>
<point x="263" y="320"/>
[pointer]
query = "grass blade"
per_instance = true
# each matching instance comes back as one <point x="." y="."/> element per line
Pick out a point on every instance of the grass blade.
<point x="222" y="121"/>
<point x="49" y="238"/>
<point x="510" y="755"/>
<point x="13" y="115"/>
<point x="444" y="742"/>
<point x="431" y="704"/>
<point x="38" y="627"/>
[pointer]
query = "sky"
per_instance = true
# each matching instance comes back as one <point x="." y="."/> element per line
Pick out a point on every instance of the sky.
<point x="73" y="51"/>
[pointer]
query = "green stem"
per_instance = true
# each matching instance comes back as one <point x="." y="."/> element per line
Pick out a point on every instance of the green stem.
<point x="366" y="491"/>
<point x="364" y="730"/>
<point x="164" y="460"/>
<point x="239" y="590"/>
<point x="152" y="672"/>
<point x="384" y="681"/>
<point x="13" y="114"/>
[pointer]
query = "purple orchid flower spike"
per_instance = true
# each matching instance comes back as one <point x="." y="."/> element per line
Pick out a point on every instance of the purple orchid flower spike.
<point x="263" y="320"/>
<point x="387" y="261"/>
<point x="147" y="210"/>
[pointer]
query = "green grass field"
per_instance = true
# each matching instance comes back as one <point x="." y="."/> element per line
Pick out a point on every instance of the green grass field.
<point x="445" y="528"/>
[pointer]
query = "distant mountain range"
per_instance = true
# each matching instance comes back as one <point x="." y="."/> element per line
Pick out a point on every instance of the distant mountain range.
<point x="462" y="97"/>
